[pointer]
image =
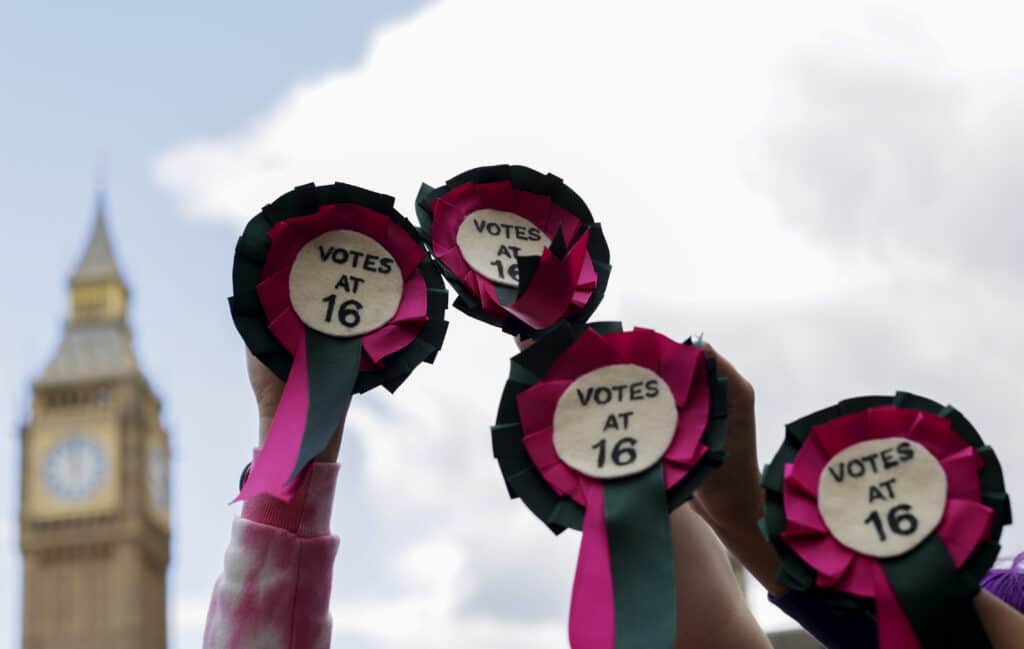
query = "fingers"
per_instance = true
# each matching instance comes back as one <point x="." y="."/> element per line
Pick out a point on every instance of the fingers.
<point x="266" y="387"/>
<point x="741" y="392"/>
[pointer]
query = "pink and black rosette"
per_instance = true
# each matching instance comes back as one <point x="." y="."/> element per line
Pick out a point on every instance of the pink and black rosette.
<point x="527" y="290"/>
<point x="322" y="370"/>
<point x="624" y="591"/>
<point x="916" y="577"/>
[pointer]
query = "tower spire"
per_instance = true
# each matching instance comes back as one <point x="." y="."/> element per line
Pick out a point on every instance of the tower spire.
<point x="97" y="264"/>
<point x="97" y="343"/>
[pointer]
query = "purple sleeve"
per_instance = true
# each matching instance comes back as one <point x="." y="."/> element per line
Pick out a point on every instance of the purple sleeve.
<point x="1007" y="584"/>
<point x="276" y="585"/>
<point x="832" y="628"/>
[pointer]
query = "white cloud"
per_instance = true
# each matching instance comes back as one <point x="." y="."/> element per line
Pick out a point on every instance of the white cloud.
<point x="188" y="614"/>
<point x="695" y="135"/>
<point x="459" y="558"/>
<point x="645" y="111"/>
<point x="187" y="618"/>
<point x="427" y="615"/>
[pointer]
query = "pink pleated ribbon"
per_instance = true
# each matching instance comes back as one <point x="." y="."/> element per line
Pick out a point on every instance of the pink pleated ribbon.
<point x="275" y="460"/>
<point x="592" y="612"/>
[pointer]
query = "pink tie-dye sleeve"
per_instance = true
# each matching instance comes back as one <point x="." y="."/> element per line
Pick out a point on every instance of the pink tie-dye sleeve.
<point x="276" y="586"/>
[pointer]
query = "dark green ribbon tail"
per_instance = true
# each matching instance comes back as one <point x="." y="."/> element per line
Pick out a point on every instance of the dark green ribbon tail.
<point x="643" y="576"/>
<point x="333" y="366"/>
<point x="936" y="598"/>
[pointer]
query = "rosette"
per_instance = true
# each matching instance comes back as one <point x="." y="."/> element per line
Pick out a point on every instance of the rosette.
<point x="891" y="506"/>
<point x="608" y="432"/>
<point x="334" y="292"/>
<point x="519" y="247"/>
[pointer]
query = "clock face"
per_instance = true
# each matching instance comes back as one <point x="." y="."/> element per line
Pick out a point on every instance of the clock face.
<point x="74" y="469"/>
<point x="156" y="477"/>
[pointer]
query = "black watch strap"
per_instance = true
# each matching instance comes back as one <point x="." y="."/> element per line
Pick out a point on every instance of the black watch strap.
<point x="245" y="476"/>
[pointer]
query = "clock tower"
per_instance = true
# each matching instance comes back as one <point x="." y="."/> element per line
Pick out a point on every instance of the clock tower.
<point x="94" y="494"/>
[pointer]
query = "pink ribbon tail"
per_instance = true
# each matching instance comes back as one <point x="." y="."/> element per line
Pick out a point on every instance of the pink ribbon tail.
<point x="276" y="460"/>
<point x="592" y="613"/>
<point x="894" y="630"/>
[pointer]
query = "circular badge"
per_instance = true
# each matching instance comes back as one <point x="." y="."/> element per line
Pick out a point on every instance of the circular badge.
<point x="343" y="283"/>
<point x="882" y="497"/>
<point x="490" y="240"/>
<point x="615" y="421"/>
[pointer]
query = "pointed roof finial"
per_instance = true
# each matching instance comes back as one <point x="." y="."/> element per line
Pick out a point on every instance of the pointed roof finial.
<point x="98" y="261"/>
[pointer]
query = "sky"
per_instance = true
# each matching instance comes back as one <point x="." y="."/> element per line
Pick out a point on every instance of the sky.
<point x="828" y="193"/>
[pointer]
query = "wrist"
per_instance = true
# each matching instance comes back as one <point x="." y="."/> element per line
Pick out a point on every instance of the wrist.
<point x="744" y="540"/>
<point x="329" y="454"/>
<point x="308" y="513"/>
<point x="742" y="517"/>
<point x="731" y="498"/>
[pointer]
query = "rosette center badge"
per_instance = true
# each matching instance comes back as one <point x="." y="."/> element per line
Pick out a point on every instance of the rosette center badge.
<point x="615" y="421"/>
<point x="491" y="241"/>
<point x="882" y="497"/>
<point x="343" y="283"/>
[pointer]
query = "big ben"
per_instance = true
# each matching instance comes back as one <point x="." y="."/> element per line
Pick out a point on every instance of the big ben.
<point x="94" y="494"/>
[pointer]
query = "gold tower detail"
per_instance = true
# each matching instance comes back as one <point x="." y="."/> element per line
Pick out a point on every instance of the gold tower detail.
<point x="94" y="493"/>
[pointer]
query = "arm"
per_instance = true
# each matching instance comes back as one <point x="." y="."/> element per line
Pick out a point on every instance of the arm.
<point x="276" y="585"/>
<point x="1003" y="623"/>
<point x="731" y="501"/>
<point x="710" y="607"/>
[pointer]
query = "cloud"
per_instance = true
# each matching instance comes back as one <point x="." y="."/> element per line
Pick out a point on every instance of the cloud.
<point x="427" y="615"/>
<point x="903" y="140"/>
<point x="187" y="618"/>
<point x="430" y="538"/>
<point x="642" y="110"/>
<point x="188" y="614"/>
<point x="815" y="187"/>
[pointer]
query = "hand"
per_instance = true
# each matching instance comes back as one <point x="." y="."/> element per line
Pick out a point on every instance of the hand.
<point x="267" y="389"/>
<point x="731" y="496"/>
<point x="731" y="499"/>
